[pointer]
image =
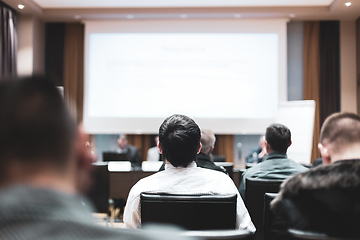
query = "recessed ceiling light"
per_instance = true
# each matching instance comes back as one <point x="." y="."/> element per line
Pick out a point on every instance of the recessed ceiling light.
<point x="237" y="15"/>
<point x="291" y="15"/>
<point x="348" y="4"/>
<point x="21" y="6"/>
<point x="77" y="16"/>
<point x="183" y="16"/>
<point x="129" y="16"/>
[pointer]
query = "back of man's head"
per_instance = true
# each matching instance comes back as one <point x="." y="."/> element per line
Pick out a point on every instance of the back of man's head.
<point x="207" y="140"/>
<point x="179" y="138"/>
<point x="278" y="137"/>
<point x="35" y="124"/>
<point x="341" y="129"/>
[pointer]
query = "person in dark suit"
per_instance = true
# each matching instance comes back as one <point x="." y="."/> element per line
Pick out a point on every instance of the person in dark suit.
<point x="203" y="159"/>
<point x="44" y="164"/>
<point x="132" y="153"/>
<point x="325" y="199"/>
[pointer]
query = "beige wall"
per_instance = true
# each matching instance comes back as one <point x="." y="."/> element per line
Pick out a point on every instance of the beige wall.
<point x="31" y="32"/>
<point x="348" y="83"/>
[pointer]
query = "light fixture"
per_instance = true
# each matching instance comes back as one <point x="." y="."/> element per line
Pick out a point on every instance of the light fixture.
<point x="183" y="16"/>
<point x="129" y="16"/>
<point x="348" y="4"/>
<point x="77" y="16"/>
<point x="237" y="15"/>
<point x="21" y="6"/>
<point x="291" y="15"/>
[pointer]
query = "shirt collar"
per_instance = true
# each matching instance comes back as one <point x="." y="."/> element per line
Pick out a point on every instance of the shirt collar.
<point x="274" y="155"/>
<point x="169" y="166"/>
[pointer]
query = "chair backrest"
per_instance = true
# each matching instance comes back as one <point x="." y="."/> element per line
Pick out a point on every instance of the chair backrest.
<point x="302" y="235"/>
<point x="268" y="216"/>
<point x="220" y="234"/>
<point x="192" y="212"/>
<point x="99" y="193"/>
<point x="114" y="156"/>
<point x="254" y="200"/>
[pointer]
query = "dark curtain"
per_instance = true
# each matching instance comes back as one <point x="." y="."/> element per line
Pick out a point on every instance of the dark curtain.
<point x="329" y="89"/>
<point x="54" y="52"/>
<point x="8" y="42"/>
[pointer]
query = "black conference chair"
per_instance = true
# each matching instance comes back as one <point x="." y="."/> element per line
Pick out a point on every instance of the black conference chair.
<point x="220" y="234"/>
<point x="99" y="193"/>
<point x="254" y="200"/>
<point x="229" y="167"/>
<point x="268" y="216"/>
<point x="302" y="235"/>
<point x="191" y="212"/>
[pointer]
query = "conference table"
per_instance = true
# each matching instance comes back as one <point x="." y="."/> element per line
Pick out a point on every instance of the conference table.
<point x="122" y="177"/>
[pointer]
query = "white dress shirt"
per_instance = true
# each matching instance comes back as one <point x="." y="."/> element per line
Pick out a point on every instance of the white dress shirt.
<point x="189" y="180"/>
<point x="153" y="154"/>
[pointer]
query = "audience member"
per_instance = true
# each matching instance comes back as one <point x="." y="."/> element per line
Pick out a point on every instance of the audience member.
<point x="132" y="153"/>
<point x="203" y="158"/>
<point x="327" y="198"/>
<point x="179" y="142"/>
<point x="275" y="164"/>
<point x="44" y="163"/>
<point x="153" y="154"/>
<point x="257" y="154"/>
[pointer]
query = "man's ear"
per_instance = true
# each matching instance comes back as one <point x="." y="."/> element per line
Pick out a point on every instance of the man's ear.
<point x="290" y="143"/>
<point x="200" y="146"/>
<point x="159" y="147"/>
<point x="267" y="146"/>
<point x="324" y="151"/>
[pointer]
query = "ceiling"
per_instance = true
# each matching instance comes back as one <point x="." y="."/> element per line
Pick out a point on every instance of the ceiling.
<point x="177" y="3"/>
<point x="79" y="10"/>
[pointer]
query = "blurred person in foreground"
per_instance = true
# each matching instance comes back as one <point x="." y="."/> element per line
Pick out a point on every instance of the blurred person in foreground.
<point x="276" y="164"/>
<point x="325" y="199"/>
<point x="44" y="165"/>
<point x="179" y="143"/>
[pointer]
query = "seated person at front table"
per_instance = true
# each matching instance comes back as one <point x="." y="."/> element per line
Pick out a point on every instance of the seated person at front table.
<point x="153" y="154"/>
<point x="203" y="159"/>
<point x="325" y="199"/>
<point x="179" y="143"/>
<point x="132" y="153"/>
<point x="258" y="153"/>
<point x="275" y="164"/>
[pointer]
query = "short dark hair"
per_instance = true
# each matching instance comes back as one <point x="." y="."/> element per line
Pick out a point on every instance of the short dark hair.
<point x="179" y="138"/>
<point x="278" y="137"/>
<point x="341" y="129"/>
<point x="35" y="123"/>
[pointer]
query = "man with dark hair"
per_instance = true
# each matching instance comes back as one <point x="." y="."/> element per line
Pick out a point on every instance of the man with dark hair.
<point x="326" y="199"/>
<point x="44" y="163"/>
<point x="179" y="142"/>
<point x="203" y="158"/>
<point x="275" y="164"/>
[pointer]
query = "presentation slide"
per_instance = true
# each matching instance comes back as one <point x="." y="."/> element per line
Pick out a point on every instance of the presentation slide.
<point x="135" y="79"/>
<point x="200" y="75"/>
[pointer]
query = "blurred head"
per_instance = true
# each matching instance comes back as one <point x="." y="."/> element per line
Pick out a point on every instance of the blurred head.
<point x="262" y="141"/>
<point x="122" y="141"/>
<point x="37" y="129"/>
<point x="278" y="138"/>
<point x="340" y="137"/>
<point x="179" y="140"/>
<point x="207" y="141"/>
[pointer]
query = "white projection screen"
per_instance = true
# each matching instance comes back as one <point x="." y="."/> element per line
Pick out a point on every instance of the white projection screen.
<point x="228" y="75"/>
